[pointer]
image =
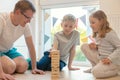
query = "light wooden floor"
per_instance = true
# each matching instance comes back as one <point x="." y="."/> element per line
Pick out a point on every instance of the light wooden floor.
<point x="64" y="75"/>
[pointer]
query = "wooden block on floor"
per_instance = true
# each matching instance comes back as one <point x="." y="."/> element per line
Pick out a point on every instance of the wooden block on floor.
<point x="55" y="76"/>
<point x="55" y="68"/>
<point x="55" y="73"/>
<point x="55" y="52"/>
<point x="55" y="57"/>
<point x="55" y="64"/>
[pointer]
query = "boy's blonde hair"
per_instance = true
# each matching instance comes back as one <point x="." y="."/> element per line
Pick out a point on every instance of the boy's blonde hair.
<point x="69" y="17"/>
<point x="104" y="28"/>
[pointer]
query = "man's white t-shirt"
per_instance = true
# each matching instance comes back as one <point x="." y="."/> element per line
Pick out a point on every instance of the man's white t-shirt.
<point x="10" y="33"/>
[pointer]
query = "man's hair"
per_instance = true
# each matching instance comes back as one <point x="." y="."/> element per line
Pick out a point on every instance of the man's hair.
<point x="24" y="5"/>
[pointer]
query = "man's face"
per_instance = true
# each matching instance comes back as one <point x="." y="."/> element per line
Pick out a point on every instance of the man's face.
<point x="25" y="17"/>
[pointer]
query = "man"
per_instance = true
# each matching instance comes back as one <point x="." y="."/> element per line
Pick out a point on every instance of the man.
<point x="12" y="27"/>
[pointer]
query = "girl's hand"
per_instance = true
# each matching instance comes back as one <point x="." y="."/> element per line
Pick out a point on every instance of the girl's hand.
<point x="106" y="61"/>
<point x="93" y="46"/>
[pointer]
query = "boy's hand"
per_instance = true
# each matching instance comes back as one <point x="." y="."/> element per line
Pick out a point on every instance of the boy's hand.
<point x="51" y="51"/>
<point x="4" y="76"/>
<point x="36" y="71"/>
<point x="71" y="68"/>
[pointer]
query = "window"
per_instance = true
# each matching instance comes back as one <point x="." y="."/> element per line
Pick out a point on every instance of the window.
<point x="52" y="20"/>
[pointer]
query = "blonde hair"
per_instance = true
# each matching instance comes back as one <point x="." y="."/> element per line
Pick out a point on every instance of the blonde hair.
<point x="69" y="17"/>
<point x="24" y="5"/>
<point x="104" y="28"/>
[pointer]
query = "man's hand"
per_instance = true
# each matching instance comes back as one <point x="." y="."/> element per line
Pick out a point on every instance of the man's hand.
<point x="4" y="76"/>
<point x="36" y="71"/>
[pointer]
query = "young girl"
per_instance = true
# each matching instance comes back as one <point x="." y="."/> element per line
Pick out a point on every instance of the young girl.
<point x="104" y="54"/>
<point x="65" y="41"/>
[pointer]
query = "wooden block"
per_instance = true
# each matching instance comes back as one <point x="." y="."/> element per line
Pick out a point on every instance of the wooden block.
<point x="55" y="61"/>
<point x="55" y="68"/>
<point x="55" y="73"/>
<point x="58" y="59"/>
<point x="55" y="57"/>
<point x="55" y="51"/>
<point x="55" y="64"/>
<point x="55" y="76"/>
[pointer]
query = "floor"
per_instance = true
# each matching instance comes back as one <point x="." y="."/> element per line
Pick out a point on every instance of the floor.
<point x="64" y="75"/>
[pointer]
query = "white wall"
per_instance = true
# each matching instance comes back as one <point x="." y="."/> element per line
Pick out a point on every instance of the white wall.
<point x="62" y="3"/>
<point x="7" y="5"/>
<point x="112" y="9"/>
<point x="110" y="6"/>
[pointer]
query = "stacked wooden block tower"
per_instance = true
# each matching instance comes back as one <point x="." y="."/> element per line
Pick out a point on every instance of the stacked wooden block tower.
<point x="55" y="59"/>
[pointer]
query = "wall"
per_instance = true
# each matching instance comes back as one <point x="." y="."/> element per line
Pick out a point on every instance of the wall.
<point x="110" y="6"/>
<point x="63" y="3"/>
<point x="112" y="9"/>
<point x="7" y="5"/>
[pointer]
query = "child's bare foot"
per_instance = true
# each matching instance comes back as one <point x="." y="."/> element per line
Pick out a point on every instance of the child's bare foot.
<point x="88" y="70"/>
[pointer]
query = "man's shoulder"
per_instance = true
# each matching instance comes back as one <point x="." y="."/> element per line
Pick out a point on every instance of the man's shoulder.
<point x="4" y="15"/>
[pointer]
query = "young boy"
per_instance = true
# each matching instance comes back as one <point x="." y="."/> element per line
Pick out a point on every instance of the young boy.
<point x="65" y="41"/>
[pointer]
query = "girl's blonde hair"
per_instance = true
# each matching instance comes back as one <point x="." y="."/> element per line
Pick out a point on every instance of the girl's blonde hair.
<point x="69" y="17"/>
<point x="104" y="28"/>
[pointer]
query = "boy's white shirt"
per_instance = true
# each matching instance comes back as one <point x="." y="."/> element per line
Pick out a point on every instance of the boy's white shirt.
<point x="10" y="33"/>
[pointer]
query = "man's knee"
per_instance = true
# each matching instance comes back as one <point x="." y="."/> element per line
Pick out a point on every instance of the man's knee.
<point x="10" y="69"/>
<point x="8" y="65"/>
<point x="22" y="67"/>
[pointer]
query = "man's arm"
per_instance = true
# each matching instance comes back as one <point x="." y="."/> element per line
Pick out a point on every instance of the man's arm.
<point x="32" y="52"/>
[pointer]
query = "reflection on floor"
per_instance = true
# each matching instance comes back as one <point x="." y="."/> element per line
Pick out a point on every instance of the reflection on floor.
<point x="64" y="75"/>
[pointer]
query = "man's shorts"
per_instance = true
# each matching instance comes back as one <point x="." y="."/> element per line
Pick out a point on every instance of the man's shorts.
<point x="12" y="53"/>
